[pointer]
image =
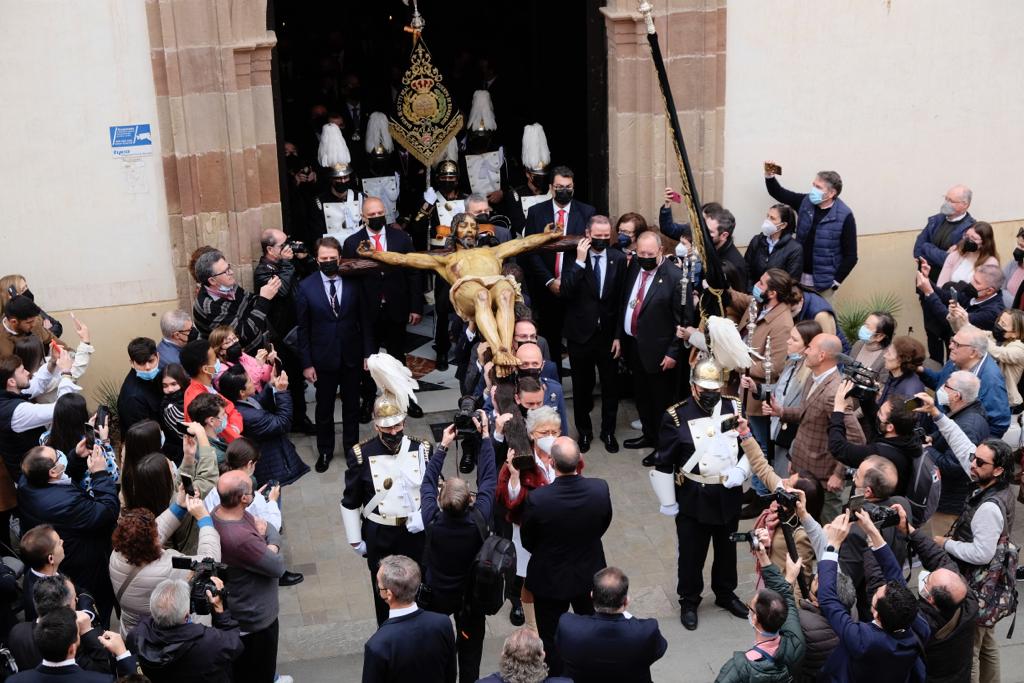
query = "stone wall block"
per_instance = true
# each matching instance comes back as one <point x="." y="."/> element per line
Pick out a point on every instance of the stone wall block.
<point x="266" y="161"/>
<point x="201" y="70"/>
<point x="201" y="20"/>
<point x="171" y="180"/>
<point x="685" y="33"/>
<point x="213" y="182"/>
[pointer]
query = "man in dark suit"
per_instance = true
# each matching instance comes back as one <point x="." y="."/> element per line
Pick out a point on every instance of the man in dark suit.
<point x="647" y="335"/>
<point x="334" y="342"/>
<point x="85" y="521"/>
<point x="413" y="644"/>
<point x="56" y="637"/>
<point x="610" y="645"/>
<point x="544" y="269"/>
<point x="592" y="291"/>
<point x="392" y="297"/>
<point x="562" y="527"/>
<point x="477" y="206"/>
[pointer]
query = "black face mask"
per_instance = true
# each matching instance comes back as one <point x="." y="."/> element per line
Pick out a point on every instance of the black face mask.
<point x="193" y="334"/>
<point x="523" y="409"/>
<point x="647" y="262"/>
<point x="999" y="334"/>
<point x="234" y="353"/>
<point x="446" y="186"/>
<point x="563" y="197"/>
<point x="341" y="187"/>
<point x="970" y="292"/>
<point x="392" y="441"/>
<point x="599" y="244"/>
<point x="529" y="372"/>
<point x="28" y="295"/>
<point x="970" y="246"/>
<point x="329" y="268"/>
<point x="1018" y="256"/>
<point x="483" y="217"/>
<point x="377" y="223"/>
<point x="708" y="399"/>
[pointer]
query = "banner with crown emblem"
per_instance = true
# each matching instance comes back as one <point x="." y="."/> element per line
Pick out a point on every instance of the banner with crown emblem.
<point x="426" y="116"/>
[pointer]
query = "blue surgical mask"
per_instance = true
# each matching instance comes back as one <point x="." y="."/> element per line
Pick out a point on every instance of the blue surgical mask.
<point x="864" y="334"/>
<point x="795" y="357"/>
<point x="218" y="368"/>
<point x="224" y="289"/>
<point x="223" y="424"/>
<point x="62" y="461"/>
<point x="758" y="294"/>
<point x="162" y="439"/>
<point x="816" y="196"/>
<point x="148" y="374"/>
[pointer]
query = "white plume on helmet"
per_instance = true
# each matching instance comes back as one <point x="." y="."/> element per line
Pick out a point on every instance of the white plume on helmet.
<point x="451" y="152"/>
<point x="727" y="347"/>
<point x="481" y="114"/>
<point x="536" y="155"/>
<point x="393" y="378"/>
<point x="333" y="150"/>
<point x="377" y="133"/>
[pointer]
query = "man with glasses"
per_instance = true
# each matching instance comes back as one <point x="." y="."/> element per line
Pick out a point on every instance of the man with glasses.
<point x="544" y="269"/>
<point x="222" y="302"/>
<point x="984" y="524"/>
<point x="968" y="350"/>
<point x="177" y="330"/>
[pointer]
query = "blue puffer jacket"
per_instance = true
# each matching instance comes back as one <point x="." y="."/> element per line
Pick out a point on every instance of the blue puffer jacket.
<point x="924" y="246"/>
<point x="992" y="395"/>
<point x="827" y="254"/>
<point x="814" y="304"/>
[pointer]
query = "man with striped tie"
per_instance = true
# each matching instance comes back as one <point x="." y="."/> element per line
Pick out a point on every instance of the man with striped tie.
<point x="335" y="338"/>
<point x="544" y="269"/>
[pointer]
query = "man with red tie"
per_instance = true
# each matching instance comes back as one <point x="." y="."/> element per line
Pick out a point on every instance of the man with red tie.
<point x="647" y="334"/>
<point x="544" y="269"/>
<point x="392" y="298"/>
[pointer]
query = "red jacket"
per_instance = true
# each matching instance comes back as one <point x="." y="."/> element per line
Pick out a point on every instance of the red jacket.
<point x="234" y="428"/>
<point x="528" y="480"/>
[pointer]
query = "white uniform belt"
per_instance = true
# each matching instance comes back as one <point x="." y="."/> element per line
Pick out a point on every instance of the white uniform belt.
<point x="386" y="521"/>
<point x="700" y="478"/>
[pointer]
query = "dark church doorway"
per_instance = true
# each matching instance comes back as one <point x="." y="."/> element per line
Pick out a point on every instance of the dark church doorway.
<point x="547" y="60"/>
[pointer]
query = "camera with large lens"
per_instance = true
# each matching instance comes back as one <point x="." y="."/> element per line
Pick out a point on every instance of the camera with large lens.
<point x="865" y="380"/>
<point x="463" y="420"/>
<point x="881" y="516"/>
<point x="746" y="537"/>
<point x="786" y="500"/>
<point x="297" y="246"/>
<point x="203" y="571"/>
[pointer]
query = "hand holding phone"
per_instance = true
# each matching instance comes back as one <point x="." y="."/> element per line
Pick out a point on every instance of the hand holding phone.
<point x="90" y="436"/>
<point x="186" y="482"/>
<point x="855" y="504"/>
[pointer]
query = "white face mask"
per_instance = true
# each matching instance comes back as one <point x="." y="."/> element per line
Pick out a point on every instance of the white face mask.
<point x="768" y="228"/>
<point x="942" y="397"/>
<point x="682" y="250"/>
<point x="546" y="443"/>
<point x="922" y="579"/>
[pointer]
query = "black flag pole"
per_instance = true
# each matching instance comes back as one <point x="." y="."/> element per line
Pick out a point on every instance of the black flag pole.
<point x="713" y="301"/>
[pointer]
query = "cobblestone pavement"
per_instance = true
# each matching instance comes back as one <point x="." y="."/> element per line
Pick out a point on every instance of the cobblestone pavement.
<point x="326" y="619"/>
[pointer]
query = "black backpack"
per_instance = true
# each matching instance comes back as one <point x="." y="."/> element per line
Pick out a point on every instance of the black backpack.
<point x="493" y="571"/>
<point x="924" y="488"/>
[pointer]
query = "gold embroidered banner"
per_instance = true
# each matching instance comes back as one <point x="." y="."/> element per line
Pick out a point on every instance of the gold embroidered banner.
<point x="427" y="117"/>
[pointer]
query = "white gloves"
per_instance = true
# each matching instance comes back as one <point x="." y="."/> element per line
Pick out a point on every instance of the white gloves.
<point x="360" y="549"/>
<point x="734" y="476"/>
<point x="669" y="510"/>
<point x="430" y="196"/>
<point x="415" y="523"/>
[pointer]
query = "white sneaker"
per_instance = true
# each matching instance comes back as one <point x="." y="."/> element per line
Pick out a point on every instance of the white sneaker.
<point x="636" y="424"/>
<point x="283" y="679"/>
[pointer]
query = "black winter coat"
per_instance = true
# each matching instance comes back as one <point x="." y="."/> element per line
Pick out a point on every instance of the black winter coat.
<point x="819" y="639"/>
<point x="267" y="420"/>
<point x="788" y="255"/>
<point x="187" y="653"/>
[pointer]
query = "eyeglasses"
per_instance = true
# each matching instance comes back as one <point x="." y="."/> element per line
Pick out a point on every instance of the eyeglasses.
<point x="954" y="344"/>
<point x="227" y="271"/>
<point x="561" y="187"/>
<point x="550" y="432"/>
<point x="979" y="461"/>
<point x="953" y="201"/>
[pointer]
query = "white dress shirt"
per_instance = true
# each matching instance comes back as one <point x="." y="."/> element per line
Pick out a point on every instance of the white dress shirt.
<point x="383" y="239"/>
<point x="592" y="256"/>
<point x="632" y="297"/>
<point x="327" y="287"/>
<point x="555" y="208"/>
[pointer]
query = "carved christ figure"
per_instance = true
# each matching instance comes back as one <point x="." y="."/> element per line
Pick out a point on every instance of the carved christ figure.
<point x="479" y="292"/>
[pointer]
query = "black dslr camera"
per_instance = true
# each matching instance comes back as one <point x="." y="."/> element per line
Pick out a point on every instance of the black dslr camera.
<point x="463" y="419"/>
<point x="787" y="501"/>
<point x="297" y="246"/>
<point x="746" y="537"/>
<point x="865" y="380"/>
<point x="204" y="570"/>
<point x="881" y="516"/>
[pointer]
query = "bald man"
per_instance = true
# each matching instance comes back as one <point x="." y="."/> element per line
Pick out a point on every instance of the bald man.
<point x="392" y="297"/>
<point x="948" y="607"/>
<point x="810" y="450"/>
<point x="532" y="364"/>
<point x="279" y="260"/>
<point x="251" y="549"/>
<point x="941" y="232"/>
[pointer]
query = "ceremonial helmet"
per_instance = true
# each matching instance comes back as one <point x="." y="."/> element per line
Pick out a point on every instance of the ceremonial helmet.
<point x="448" y="169"/>
<point x="333" y="153"/>
<point x="708" y="374"/>
<point x="386" y="411"/>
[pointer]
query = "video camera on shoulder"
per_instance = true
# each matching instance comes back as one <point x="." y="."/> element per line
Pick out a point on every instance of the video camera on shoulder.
<point x="203" y="570"/>
<point x="865" y="380"/>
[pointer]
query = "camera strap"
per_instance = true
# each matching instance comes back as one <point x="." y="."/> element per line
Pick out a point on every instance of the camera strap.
<point x="127" y="582"/>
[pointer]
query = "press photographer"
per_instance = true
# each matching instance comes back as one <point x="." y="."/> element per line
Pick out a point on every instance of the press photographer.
<point x="171" y="647"/>
<point x="874" y="486"/>
<point x="898" y="441"/>
<point x="456" y="528"/>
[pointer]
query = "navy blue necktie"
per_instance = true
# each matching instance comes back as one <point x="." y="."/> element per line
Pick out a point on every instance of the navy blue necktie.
<point x="597" y="273"/>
